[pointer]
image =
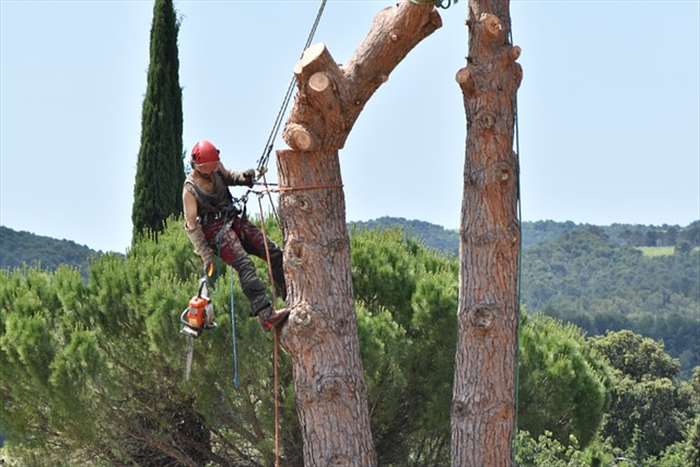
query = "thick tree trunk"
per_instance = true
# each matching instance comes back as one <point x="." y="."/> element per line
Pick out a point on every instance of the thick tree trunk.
<point x="483" y="405"/>
<point x="321" y="334"/>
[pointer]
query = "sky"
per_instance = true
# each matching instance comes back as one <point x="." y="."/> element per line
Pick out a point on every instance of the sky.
<point x="609" y="108"/>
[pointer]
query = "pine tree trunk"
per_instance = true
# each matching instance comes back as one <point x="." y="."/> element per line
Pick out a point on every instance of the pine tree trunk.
<point x="321" y="334"/>
<point x="483" y="405"/>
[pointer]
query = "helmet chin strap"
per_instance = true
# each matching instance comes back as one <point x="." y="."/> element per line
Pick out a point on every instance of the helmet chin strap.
<point x="203" y="175"/>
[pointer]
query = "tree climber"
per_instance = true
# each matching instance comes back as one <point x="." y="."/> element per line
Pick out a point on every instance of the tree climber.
<point x="213" y="222"/>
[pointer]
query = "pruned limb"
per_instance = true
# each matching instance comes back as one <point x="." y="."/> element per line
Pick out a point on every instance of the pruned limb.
<point x="300" y="138"/>
<point x="318" y="106"/>
<point x="395" y="31"/>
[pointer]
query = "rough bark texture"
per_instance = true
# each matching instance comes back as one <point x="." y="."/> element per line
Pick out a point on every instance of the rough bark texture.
<point x="483" y="405"/>
<point x="321" y="334"/>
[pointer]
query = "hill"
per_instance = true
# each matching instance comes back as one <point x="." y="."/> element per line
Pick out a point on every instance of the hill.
<point x="586" y="278"/>
<point x="534" y="233"/>
<point x="18" y="248"/>
<point x="433" y="236"/>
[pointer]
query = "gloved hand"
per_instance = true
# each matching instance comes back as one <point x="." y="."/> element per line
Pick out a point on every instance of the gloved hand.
<point x="209" y="267"/>
<point x="249" y="176"/>
<point x="201" y="247"/>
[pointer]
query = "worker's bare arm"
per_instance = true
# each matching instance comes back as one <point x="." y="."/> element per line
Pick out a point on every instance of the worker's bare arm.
<point x="189" y="204"/>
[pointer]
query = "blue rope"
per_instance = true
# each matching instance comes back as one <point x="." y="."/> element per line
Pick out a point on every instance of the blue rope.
<point x="234" y="347"/>
<point x="236" y="375"/>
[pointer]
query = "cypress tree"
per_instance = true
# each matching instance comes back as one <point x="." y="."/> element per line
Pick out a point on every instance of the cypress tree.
<point x="160" y="171"/>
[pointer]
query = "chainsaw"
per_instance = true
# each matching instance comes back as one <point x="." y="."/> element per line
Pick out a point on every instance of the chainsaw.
<point x="199" y="314"/>
<point x="195" y="319"/>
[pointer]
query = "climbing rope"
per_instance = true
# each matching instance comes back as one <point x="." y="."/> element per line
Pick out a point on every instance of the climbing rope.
<point x="276" y="346"/>
<point x="519" y="266"/>
<point x="234" y="348"/>
<point x="267" y="149"/>
<point x="274" y="131"/>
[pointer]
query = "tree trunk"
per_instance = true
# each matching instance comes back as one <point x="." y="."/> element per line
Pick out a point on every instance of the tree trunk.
<point x="321" y="334"/>
<point x="483" y="404"/>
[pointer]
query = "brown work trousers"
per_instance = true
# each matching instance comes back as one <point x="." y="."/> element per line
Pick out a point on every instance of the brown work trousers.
<point x="241" y="239"/>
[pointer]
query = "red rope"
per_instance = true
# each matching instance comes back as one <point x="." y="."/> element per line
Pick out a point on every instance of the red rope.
<point x="275" y="348"/>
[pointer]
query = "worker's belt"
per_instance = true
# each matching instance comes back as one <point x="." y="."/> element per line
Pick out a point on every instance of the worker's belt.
<point x="224" y="214"/>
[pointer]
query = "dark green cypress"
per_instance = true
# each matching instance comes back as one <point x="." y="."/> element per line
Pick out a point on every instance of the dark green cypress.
<point x="160" y="172"/>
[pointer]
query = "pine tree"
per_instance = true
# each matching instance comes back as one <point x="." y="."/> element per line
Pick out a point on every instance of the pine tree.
<point x="160" y="172"/>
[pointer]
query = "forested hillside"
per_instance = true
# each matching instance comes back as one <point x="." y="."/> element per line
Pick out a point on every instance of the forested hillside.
<point x="534" y="233"/>
<point x="18" y="248"/>
<point x="433" y="236"/>
<point x="585" y="278"/>
<point x="599" y="279"/>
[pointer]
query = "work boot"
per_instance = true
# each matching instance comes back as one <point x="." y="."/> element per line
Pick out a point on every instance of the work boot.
<point x="278" y="272"/>
<point x="252" y="286"/>
<point x="269" y="319"/>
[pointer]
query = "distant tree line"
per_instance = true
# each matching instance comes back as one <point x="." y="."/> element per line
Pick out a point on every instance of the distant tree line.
<point x="535" y="233"/>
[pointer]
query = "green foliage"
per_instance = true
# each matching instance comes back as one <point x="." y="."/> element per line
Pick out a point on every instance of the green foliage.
<point x="692" y="448"/>
<point x="91" y="372"/>
<point x="673" y="456"/>
<point x="94" y="371"/>
<point x="563" y="383"/>
<point x="546" y="450"/>
<point x="636" y="356"/>
<point x="536" y="233"/>
<point x="407" y="300"/>
<point x="160" y="172"/>
<point x="431" y="235"/>
<point x="648" y="411"/>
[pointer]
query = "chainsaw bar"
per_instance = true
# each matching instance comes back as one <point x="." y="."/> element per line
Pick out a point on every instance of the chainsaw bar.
<point x="189" y="353"/>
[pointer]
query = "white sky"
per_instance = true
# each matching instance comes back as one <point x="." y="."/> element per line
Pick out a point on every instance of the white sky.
<point x="609" y="108"/>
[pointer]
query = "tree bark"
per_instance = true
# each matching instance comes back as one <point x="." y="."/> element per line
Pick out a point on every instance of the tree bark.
<point x="321" y="334"/>
<point x="483" y="404"/>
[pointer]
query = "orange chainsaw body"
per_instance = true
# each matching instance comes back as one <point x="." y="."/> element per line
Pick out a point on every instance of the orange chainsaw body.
<point x="196" y="312"/>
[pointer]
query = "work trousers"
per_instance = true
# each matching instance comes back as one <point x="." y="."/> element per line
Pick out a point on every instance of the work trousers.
<point x="241" y="239"/>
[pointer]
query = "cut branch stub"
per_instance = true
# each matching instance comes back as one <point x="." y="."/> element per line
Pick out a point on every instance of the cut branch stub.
<point x="319" y="82"/>
<point x="318" y="107"/>
<point x="323" y="96"/>
<point x="316" y="58"/>
<point x="466" y="81"/>
<point x="300" y="138"/>
<point x="492" y="27"/>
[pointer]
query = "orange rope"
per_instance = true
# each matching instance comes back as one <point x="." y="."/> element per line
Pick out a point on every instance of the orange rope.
<point x="276" y="364"/>
<point x="275" y="348"/>
<point x="286" y="189"/>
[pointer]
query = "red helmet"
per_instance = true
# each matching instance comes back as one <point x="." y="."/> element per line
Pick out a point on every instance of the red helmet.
<point x="205" y="156"/>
